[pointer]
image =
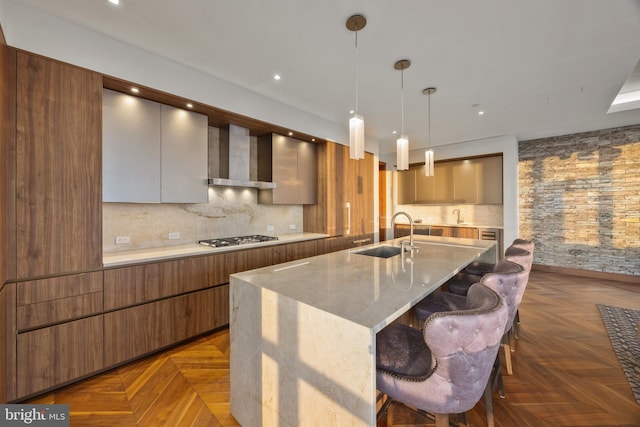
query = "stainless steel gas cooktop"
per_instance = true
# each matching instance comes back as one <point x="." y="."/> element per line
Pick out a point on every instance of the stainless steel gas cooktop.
<point x="234" y="241"/>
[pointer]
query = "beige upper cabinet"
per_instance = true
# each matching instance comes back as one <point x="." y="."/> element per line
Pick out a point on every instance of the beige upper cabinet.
<point x="152" y="152"/>
<point x="292" y="165"/>
<point x="470" y="181"/>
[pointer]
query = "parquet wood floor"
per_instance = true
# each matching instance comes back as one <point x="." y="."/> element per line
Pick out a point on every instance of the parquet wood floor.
<point x="565" y="372"/>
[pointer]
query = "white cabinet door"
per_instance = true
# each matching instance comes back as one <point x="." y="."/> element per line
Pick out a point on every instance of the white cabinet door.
<point x="131" y="149"/>
<point x="184" y="156"/>
<point x="151" y="152"/>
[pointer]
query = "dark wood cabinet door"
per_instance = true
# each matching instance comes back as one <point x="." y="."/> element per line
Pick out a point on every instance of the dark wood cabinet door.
<point x="58" y="168"/>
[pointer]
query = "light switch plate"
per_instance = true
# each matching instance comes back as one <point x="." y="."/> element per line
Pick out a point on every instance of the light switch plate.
<point x="292" y="226"/>
<point x="123" y="240"/>
<point x="174" y="236"/>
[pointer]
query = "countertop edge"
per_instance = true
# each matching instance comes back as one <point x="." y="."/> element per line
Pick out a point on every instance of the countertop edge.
<point x="116" y="259"/>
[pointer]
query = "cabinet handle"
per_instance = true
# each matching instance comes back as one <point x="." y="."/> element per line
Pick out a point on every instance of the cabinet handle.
<point x="362" y="241"/>
<point x="348" y="205"/>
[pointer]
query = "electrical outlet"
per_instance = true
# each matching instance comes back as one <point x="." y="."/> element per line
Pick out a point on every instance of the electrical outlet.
<point x="270" y="228"/>
<point x="292" y="226"/>
<point x="174" y="236"/>
<point x="123" y="240"/>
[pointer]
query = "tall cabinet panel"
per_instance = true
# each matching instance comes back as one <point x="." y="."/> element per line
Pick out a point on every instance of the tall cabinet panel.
<point x="58" y="168"/>
<point x="358" y="193"/>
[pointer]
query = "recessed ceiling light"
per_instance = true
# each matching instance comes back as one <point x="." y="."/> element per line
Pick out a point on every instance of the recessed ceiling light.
<point x="313" y="140"/>
<point x="276" y="77"/>
<point x="116" y="2"/>
<point x="135" y="90"/>
<point x="189" y="105"/>
<point x="481" y="113"/>
<point x="351" y="111"/>
<point x="395" y="132"/>
<point x="290" y="133"/>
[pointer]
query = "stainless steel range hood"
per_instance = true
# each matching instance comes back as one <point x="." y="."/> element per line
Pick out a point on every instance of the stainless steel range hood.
<point x="234" y="156"/>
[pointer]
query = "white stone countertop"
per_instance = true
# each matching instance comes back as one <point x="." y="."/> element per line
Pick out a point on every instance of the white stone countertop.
<point x="113" y="259"/>
<point x="367" y="290"/>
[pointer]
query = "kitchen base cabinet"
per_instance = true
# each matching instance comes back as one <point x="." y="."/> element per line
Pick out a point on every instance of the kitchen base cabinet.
<point x="139" y="330"/>
<point x="53" y="356"/>
<point x="58" y="299"/>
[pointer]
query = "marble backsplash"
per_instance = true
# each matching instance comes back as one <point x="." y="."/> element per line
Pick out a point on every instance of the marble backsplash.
<point x="230" y="212"/>
<point x="476" y="215"/>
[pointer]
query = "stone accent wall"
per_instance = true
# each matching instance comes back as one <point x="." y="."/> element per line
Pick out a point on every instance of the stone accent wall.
<point x="580" y="199"/>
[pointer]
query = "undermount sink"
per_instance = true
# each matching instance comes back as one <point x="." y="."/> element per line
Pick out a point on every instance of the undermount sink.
<point x="381" y="251"/>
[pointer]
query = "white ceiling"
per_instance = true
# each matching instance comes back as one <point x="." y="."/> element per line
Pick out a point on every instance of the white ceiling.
<point x="537" y="68"/>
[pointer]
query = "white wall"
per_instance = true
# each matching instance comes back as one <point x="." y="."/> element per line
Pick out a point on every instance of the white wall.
<point x="508" y="146"/>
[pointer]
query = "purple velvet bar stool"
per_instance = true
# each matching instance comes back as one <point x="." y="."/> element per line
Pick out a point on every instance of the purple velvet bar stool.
<point x="509" y="280"/>
<point x="443" y="368"/>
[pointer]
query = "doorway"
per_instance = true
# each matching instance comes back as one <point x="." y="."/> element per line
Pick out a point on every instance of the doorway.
<point x="382" y="201"/>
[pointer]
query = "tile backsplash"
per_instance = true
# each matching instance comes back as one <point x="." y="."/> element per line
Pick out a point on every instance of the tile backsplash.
<point x="230" y="212"/>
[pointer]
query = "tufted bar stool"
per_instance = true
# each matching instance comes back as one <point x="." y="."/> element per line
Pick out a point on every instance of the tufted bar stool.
<point x="508" y="280"/>
<point x="443" y="368"/>
<point x="478" y="268"/>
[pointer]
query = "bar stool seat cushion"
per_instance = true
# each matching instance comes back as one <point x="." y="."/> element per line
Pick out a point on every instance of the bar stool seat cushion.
<point x="402" y="352"/>
<point x="439" y="301"/>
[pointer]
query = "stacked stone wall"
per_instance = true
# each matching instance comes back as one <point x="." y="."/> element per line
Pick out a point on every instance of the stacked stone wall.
<point x="580" y="199"/>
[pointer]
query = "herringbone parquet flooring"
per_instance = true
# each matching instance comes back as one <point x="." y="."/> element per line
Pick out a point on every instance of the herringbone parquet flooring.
<point x="565" y="372"/>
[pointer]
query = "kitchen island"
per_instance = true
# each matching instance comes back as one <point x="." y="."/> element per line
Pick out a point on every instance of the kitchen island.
<point x="303" y="333"/>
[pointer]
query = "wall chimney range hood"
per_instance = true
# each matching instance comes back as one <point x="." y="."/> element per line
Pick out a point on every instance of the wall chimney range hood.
<point x="234" y="160"/>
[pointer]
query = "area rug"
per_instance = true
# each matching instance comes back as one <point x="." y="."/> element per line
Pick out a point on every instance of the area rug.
<point x="622" y="326"/>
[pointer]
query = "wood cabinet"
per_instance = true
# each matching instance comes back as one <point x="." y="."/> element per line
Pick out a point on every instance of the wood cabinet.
<point x="402" y="230"/>
<point x="142" y="329"/>
<point x="58" y="354"/>
<point x="58" y="299"/>
<point x="357" y="181"/>
<point x="152" y="152"/>
<point x="292" y="165"/>
<point x="58" y="203"/>
<point x="470" y="181"/>
<point x="345" y="194"/>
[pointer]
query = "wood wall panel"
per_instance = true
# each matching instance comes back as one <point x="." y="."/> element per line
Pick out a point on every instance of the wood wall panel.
<point x="53" y="356"/>
<point x="325" y="217"/>
<point x="8" y="165"/>
<point x="59" y="168"/>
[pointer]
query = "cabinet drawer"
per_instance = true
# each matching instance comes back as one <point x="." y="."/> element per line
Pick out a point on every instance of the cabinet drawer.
<point x="135" y="331"/>
<point x="129" y="286"/>
<point x="52" y="356"/>
<point x="58" y="299"/>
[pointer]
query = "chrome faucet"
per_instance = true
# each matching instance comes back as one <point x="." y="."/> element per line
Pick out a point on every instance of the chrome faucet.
<point x="393" y="218"/>
<point x="458" y="212"/>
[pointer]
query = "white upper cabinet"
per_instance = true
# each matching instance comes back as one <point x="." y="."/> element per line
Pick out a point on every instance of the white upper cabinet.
<point x="292" y="165"/>
<point x="184" y="156"/>
<point x="152" y="153"/>
<point x="131" y="158"/>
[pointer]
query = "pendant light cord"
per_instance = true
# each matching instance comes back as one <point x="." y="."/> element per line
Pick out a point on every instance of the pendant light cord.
<point x="429" y="122"/>
<point x="356" y="31"/>
<point x="402" y="100"/>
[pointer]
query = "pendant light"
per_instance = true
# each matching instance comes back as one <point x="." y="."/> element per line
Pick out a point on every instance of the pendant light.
<point x="402" y="144"/>
<point x="356" y="122"/>
<point x="428" y="155"/>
